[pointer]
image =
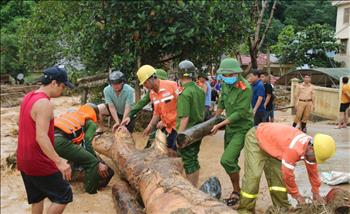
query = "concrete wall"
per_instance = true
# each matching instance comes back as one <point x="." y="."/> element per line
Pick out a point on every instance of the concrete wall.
<point x="327" y="101"/>
<point x="342" y="31"/>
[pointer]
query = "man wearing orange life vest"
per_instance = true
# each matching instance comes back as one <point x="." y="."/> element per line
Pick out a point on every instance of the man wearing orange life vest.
<point x="163" y="95"/>
<point x="275" y="149"/>
<point x="74" y="132"/>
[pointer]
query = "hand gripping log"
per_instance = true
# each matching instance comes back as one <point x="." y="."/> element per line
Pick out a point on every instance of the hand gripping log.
<point x="197" y="132"/>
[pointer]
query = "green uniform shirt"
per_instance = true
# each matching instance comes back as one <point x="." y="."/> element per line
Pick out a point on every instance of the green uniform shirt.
<point x="190" y="103"/>
<point x="237" y="104"/>
<point x="140" y="104"/>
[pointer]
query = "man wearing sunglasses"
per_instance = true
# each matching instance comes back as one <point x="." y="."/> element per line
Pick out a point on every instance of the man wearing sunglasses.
<point x="235" y="99"/>
<point x="275" y="149"/>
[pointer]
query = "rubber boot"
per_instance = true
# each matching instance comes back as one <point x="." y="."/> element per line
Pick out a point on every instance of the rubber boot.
<point x="193" y="178"/>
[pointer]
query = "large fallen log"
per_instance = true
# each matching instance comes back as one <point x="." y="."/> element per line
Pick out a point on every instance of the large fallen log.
<point x="197" y="132"/>
<point x="158" y="178"/>
<point x="125" y="200"/>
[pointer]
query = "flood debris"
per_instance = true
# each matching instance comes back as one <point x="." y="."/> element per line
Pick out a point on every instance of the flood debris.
<point x="337" y="202"/>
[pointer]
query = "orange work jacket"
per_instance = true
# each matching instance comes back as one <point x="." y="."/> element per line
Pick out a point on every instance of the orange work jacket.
<point x="164" y="103"/>
<point x="289" y="145"/>
<point x="71" y="124"/>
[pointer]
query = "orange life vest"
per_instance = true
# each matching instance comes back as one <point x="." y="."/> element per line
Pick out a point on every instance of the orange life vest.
<point x="71" y="124"/>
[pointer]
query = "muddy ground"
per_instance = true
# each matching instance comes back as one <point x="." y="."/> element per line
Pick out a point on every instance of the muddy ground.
<point x="13" y="196"/>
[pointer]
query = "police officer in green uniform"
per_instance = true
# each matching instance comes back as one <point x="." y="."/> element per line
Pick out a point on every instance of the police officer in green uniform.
<point x="80" y="152"/>
<point x="236" y="101"/>
<point x="162" y="75"/>
<point x="190" y="111"/>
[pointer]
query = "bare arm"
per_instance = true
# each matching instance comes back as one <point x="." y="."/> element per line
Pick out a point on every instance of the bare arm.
<point x="113" y="112"/>
<point x="42" y="113"/>
<point x="267" y="100"/>
<point x="126" y="111"/>
<point x="154" y="121"/>
<point x="257" y="104"/>
<point x="183" y="124"/>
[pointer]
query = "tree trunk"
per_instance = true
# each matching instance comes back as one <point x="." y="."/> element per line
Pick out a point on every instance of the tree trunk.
<point x="137" y="86"/>
<point x="197" y="132"/>
<point x="125" y="199"/>
<point x="253" y="54"/>
<point x="158" y="178"/>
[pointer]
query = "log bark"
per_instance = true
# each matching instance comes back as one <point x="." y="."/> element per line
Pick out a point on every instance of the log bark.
<point x="197" y="132"/>
<point x="158" y="178"/>
<point x="125" y="199"/>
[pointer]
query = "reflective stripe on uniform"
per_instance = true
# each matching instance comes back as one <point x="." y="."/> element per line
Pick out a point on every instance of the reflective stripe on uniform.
<point x="296" y="139"/>
<point x="167" y="98"/>
<point x="289" y="166"/>
<point x="308" y="162"/>
<point x="247" y="195"/>
<point x="276" y="188"/>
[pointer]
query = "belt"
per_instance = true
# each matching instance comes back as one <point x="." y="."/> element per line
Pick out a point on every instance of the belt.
<point x="305" y="100"/>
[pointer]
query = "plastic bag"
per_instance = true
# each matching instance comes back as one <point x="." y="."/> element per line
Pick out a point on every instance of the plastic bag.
<point x="334" y="178"/>
<point x="212" y="187"/>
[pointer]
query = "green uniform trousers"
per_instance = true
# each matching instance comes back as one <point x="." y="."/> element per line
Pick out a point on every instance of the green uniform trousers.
<point x="233" y="144"/>
<point x="85" y="157"/>
<point x="256" y="161"/>
<point x="189" y="156"/>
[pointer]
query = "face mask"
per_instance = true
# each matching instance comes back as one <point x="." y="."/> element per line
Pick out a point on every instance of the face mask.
<point x="229" y="80"/>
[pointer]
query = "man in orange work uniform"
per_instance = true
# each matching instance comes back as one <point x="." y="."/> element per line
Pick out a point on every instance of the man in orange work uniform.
<point x="275" y="149"/>
<point x="163" y="95"/>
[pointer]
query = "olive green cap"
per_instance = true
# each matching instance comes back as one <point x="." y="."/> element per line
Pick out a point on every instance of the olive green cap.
<point x="161" y="74"/>
<point x="229" y="66"/>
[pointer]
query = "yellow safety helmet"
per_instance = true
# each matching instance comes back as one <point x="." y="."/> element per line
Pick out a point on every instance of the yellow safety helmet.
<point x="324" y="147"/>
<point x="145" y="72"/>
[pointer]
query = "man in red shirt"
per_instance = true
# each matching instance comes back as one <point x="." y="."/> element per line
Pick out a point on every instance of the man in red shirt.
<point x="43" y="171"/>
<point x="275" y="149"/>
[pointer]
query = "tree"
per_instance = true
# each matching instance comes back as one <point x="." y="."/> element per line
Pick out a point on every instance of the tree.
<point x="114" y="33"/>
<point x="301" y="14"/>
<point x="257" y="36"/>
<point x="309" y="46"/>
<point x="12" y="15"/>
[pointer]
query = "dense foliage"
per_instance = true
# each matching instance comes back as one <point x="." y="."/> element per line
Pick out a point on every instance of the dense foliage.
<point x="93" y="36"/>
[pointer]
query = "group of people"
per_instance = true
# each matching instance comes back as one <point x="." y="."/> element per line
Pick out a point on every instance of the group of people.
<point x="263" y="97"/>
<point x="46" y="143"/>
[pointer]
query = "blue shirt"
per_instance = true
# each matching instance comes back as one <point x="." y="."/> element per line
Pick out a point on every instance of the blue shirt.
<point x="126" y="97"/>
<point x="258" y="90"/>
<point x="208" y="94"/>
